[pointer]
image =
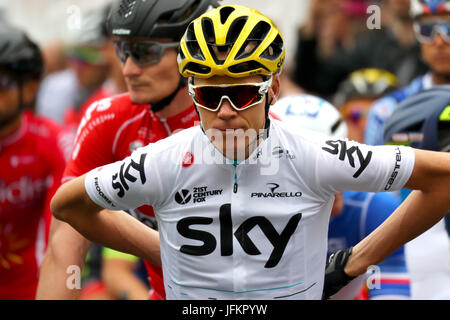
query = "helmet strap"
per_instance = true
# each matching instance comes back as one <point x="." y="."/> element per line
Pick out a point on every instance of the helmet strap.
<point x="158" y="106"/>
<point x="267" y="120"/>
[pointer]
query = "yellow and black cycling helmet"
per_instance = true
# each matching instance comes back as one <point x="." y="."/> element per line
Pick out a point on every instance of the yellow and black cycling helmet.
<point x="231" y="40"/>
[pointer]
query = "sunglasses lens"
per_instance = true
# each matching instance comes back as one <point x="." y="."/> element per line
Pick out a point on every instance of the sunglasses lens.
<point x="427" y="31"/>
<point x="7" y="82"/>
<point x="142" y="52"/>
<point x="145" y="53"/>
<point x="241" y="96"/>
<point x="85" y="55"/>
<point x="245" y="96"/>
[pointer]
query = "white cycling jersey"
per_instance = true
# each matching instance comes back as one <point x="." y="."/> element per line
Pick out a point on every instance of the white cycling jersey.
<point x="253" y="230"/>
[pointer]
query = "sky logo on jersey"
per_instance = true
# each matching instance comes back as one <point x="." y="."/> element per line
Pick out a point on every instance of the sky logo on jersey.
<point x="279" y="241"/>
<point x="340" y="147"/>
<point x="120" y="180"/>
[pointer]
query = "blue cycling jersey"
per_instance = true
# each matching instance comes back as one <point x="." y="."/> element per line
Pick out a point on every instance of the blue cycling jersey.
<point x="362" y="213"/>
<point x="382" y="108"/>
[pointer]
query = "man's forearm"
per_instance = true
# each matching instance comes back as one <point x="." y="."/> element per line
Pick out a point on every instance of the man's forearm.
<point x="113" y="229"/>
<point x="419" y="212"/>
<point x="63" y="259"/>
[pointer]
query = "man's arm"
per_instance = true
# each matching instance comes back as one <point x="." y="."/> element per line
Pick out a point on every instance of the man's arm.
<point x="419" y="212"/>
<point x="119" y="277"/>
<point x="66" y="248"/>
<point x="112" y="229"/>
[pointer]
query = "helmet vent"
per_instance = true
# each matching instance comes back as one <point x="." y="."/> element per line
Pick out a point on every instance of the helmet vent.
<point x="246" y="66"/>
<point x="192" y="43"/>
<point x="225" y="13"/>
<point x="197" y="68"/>
<point x="236" y="29"/>
<point x="253" y="41"/>
<point x="126" y="8"/>
<point x="274" y="50"/>
<point x="208" y="31"/>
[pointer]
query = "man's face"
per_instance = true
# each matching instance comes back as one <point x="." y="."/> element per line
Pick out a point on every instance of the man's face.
<point x="354" y="112"/>
<point x="436" y="53"/>
<point x="234" y="133"/>
<point x="89" y="65"/>
<point x="153" y="82"/>
<point x="9" y="97"/>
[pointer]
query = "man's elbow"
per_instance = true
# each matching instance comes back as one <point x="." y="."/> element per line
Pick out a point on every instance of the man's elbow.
<point x="57" y="207"/>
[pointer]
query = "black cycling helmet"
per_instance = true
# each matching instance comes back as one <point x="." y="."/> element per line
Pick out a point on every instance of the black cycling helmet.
<point x="19" y="56"/>
<point x="422" y="121"/>
<point x="154" y="18"/>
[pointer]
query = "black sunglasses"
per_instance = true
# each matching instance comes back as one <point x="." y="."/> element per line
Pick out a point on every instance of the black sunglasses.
<point x="7" y="82"/>
<point x="142" y="53"/>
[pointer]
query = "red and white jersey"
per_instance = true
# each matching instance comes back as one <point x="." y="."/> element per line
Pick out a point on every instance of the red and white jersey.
<point x="109" y="131"/>
<point x="72" y="116"/>
<point x="32" y="162"/>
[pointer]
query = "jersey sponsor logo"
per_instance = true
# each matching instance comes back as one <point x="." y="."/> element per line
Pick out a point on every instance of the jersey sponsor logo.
<point x="279" y="152"/>
<point x="15" y="161"/>
<point x="101" y="193"/>
<point x="183" y="196"/>
<point x="120" y="180"/>
<point x="135" y="145"/>
<point x="398" y="159"/>
<point x="273" y="194"/>
<point x="25" y="189"/>
<point x="199" y="194"/>
<point x="188" y="160"/>
<point x="121" y="32"/>
<point x="340" y="147"/>
<point x="279" y="241"/>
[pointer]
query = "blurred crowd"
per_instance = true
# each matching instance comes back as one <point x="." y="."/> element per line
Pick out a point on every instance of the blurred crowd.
<point x="367" y="73"/>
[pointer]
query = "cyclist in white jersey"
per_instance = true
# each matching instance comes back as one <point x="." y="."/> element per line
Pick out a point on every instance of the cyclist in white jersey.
<point x="243" y="201"/>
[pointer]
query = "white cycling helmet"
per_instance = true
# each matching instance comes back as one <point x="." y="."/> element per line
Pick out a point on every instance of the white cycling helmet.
<point x="311" y="113"/>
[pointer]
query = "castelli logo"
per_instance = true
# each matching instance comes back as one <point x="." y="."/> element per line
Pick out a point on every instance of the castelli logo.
<point x="188" y="159"/>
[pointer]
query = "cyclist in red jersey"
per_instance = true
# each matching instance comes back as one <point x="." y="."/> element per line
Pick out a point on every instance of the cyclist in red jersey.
<point x="31" y="160"/>
<point x="146" y="36"/>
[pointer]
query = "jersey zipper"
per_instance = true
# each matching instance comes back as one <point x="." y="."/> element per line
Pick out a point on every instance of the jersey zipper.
<point x="235" y="186"/>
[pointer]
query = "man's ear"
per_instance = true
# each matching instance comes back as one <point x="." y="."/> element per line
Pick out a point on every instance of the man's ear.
<point x="274" y="90"/>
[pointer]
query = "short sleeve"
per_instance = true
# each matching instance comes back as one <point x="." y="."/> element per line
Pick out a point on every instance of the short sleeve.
<point x="126" y="184"/>
<point x="348" y="165"/>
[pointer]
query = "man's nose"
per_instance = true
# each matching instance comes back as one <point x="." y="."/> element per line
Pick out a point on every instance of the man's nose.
<point x="226" y="110"/>
<point x="130" y="68"/>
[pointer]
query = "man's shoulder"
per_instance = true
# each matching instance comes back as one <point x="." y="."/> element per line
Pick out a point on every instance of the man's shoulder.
<point x="176" y="142"/>
<point x="42" y="127"/>
<point x="111" y="111"/>
<point x="121" y="104"/>
<point x="296" y="135"/>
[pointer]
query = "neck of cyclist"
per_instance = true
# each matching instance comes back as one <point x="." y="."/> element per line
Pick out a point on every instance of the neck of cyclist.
<point x="10" y="125"/>
<point x="180" y="102"/>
